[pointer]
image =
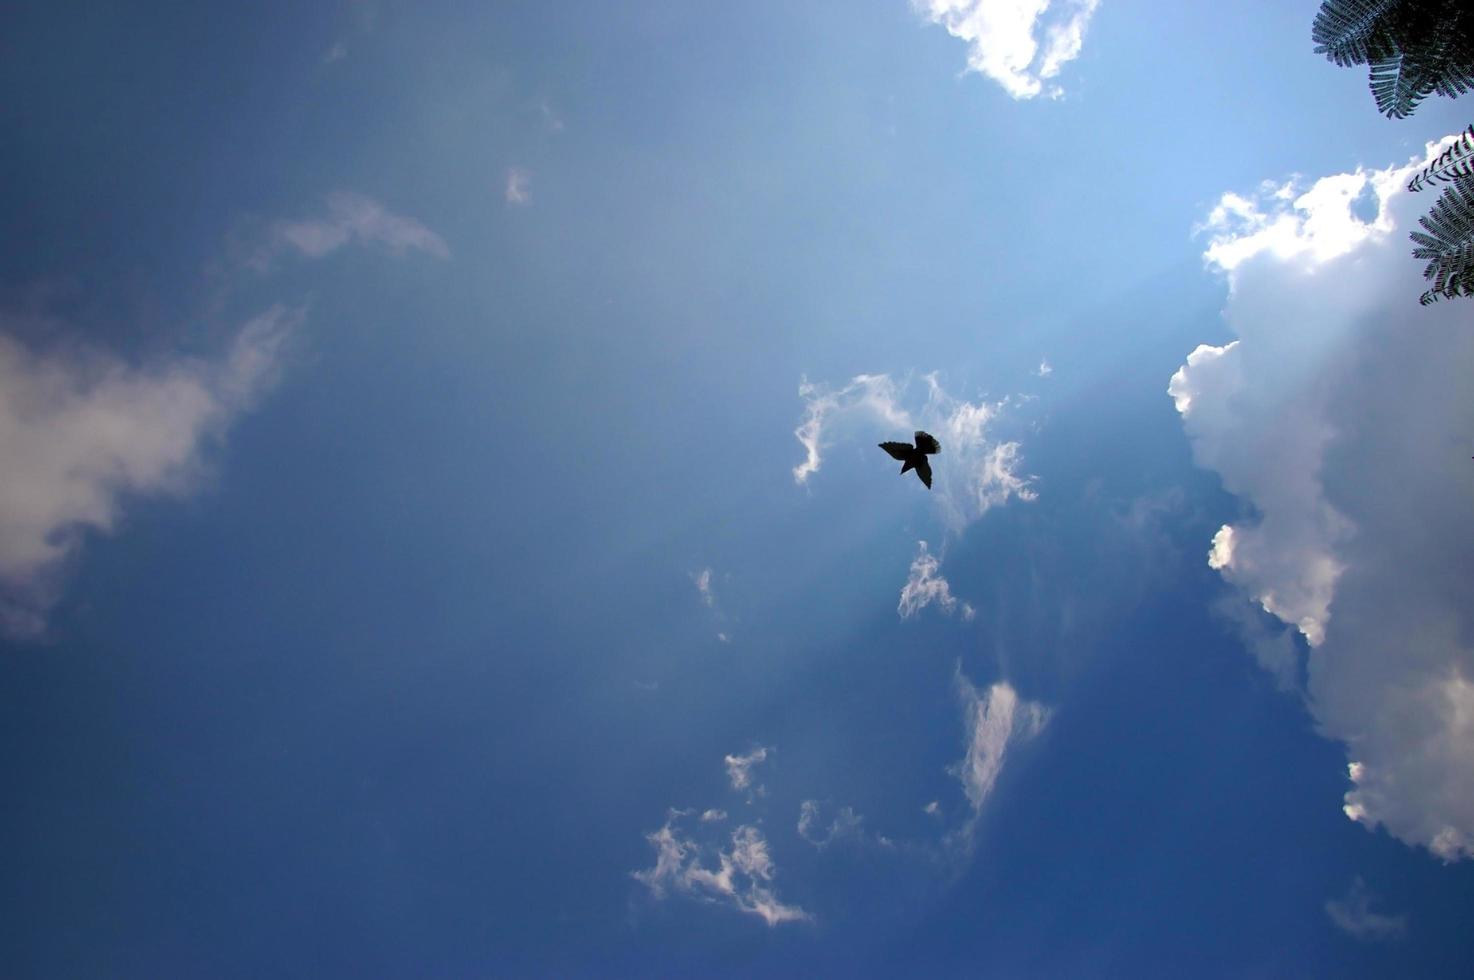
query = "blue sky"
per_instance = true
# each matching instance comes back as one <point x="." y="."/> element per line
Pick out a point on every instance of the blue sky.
<point x="442" y="534"/>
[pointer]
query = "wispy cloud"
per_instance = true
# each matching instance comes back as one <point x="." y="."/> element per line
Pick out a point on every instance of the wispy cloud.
<point x="847" y="825"/>
<point x="870" y="398"/>
<point x="926" y="587"/>
<point x="1020" y="44"/>
<point x="1340" y="415"/>
<point x="740" y="767"/>
<point x="1353" y="915"/>
<point x="976" y="470"/>
<point x="739" y="874"/>
<point x="994" y="720"/>
<point x="702" y="580"/>
<point x="81" y="431"/>
<point x="351" y="218"/>
<point x="518" y="186"/>
<point x="1044" y="370"/>
<point x="734" y="869"/>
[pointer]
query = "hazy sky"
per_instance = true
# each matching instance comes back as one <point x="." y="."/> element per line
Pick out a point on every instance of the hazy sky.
<point x="442" y="532"/>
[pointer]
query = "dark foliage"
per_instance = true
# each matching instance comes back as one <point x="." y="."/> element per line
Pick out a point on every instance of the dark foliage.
<point x="1447" y="238"/>
<point x="1413" y="47"/>
<point x="1454" y="164"/>
<point x="1447" y="242"/>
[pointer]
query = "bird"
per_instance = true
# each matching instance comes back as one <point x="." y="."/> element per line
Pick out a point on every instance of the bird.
<point x="914" y="457"/>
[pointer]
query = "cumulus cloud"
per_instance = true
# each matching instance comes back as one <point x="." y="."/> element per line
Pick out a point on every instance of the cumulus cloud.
<point x="995" y="720"/>
<point x="739" y="874"/>
<point x="1020" y="44"/>
<point x="519" y="186"/>
<point x="81" y="431"/>
<point x="1045" y="369"/>
<point x="976" y="470"/>
<point x="926" y="586"/>
<point x="739" y="767"/>
<point x="1340" y="417"/>
<point x="352" y="218"/>
<point x="1353" y="915"/>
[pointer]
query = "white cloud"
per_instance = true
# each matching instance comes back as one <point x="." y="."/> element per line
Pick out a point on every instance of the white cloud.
<point x="932" y="809"/>
<point x="519" y="186"/>
<point x="869" y="398"/>
<point x="1353" y="915"/>
<point x="702" y="579"/>
<point x="1044" y="370"/>
<point x="994" y="720"/>
<point x="995" y="478"/>
<point x="846" y="825"/>
<point x="1310" y="227"/>
<point x="926" y="586"/>
<point x="710" y="816"/>
<point x="352" y="218"/>
<point x="981" y="472"/>
<point x="1004" y="38"/>
<point x="975" y="471"/>
<point x="1340" y="416"/>
<point x="741" y="876"/>
<point x="739" y="767"/>
<point x="81" y="432"/>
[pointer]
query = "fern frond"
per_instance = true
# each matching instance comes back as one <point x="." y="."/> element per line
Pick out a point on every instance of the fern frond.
<point x="1413" y="47"/>
<point x="1447" y="243"/>
<point x="1456" y="162"/>
<point x="1350" y="32"/>
<point x="1399" y="84"/>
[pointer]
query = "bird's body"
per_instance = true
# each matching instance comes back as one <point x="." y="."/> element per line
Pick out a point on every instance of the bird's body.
<point x="915" y="457"/>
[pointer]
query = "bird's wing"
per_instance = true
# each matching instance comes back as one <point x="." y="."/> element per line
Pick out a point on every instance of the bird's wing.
<point x="927" y="443"/>
<point x="898" y="450"/>
<point x="923" y="470"/>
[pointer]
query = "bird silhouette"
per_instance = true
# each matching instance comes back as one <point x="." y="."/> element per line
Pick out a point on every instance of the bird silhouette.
<point x="914" y="457"/>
